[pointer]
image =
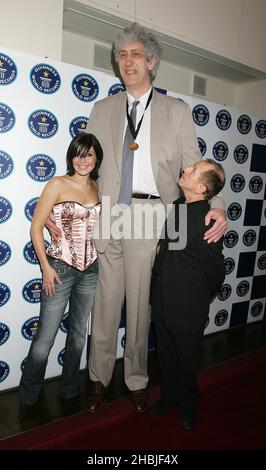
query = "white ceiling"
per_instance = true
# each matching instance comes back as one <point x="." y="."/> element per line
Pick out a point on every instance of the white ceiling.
<point x="97" y="24"/>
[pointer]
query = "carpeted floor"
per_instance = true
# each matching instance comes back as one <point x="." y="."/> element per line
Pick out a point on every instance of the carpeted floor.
<point x="232" y="415"/>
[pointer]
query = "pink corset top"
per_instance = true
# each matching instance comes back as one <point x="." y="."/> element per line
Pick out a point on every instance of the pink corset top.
<point x="76" y="246"/>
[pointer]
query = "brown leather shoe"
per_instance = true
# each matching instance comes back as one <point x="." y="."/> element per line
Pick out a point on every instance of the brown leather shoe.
<point x="139" y="399"/>
<point x="97" y="397"/>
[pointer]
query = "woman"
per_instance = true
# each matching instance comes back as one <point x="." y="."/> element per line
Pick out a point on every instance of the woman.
<point x="69" y="267"/>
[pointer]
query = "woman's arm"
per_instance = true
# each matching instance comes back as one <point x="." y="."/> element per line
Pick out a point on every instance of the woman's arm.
<point x="48" y="198"/>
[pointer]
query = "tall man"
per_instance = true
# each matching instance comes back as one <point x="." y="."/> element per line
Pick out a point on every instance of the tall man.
<point x="165" y="145"/>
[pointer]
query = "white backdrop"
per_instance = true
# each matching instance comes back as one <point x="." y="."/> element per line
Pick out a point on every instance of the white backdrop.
<point x="42" y="105"/>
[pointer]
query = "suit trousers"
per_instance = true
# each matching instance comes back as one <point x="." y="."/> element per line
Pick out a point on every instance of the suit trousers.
<point x="178" y="356"/>
<point x="125" y="271"/>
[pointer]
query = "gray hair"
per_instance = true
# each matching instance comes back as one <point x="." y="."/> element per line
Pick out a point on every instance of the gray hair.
<point x="137" y="33"/>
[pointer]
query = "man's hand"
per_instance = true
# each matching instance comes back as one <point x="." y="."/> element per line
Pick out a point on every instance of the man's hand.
<point x="53" y="229"/>
<point x="219" y="227"/>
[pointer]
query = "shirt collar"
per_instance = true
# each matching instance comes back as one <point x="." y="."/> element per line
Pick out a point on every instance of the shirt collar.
<point x="143" y="99"/>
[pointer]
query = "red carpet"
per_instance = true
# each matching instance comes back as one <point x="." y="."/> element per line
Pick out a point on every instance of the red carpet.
<point x="232" y="415"/>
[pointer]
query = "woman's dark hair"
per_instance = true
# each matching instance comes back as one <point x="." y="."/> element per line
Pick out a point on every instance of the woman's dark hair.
<point x="79" y="147"/>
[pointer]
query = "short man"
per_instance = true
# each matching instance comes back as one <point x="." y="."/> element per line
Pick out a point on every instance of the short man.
<point x="184" y="280"/>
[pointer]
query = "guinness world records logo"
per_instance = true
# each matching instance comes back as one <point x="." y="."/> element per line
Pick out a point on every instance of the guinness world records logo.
<point x="45" y="78"/>
<point x="5" y="210"/>
<point x="229" y="265"/>
<point x="234" y="211"/>
<point x="8" y="69"/>
<point x="78" y="125"/>
<point x="31" y="292"/>
<point x="30" y="208"/>
<point x="29" y="328"/>
<point x="4" y="370"/>
<point x="223" y="119"/>
<point x="4" y="294"/>
<point x="41" y="167"/>
<point x="260" y="129"/>
<point x="202" y="146"/>
<point x="200" y="115"/>
<point x="244" y="124"/>
<point x="241" y="154"/>
<point x="116" y="88"/>
<point x="43" y="124"/>
<point x="249" y="237"/>
<point x="242" y="288"/>
<point x="255" y="184"/>
<point x="230" y="239"/>
<point x="237" y="183"/>
<point x="261" y="263"/>
<point x="256" y="309"/>
<point x="221" y="317"/>
<point x="225" y="292"/>
<point x="85" y="87"/>
<point x="220" y="151"/>
<point x="6" y="164"/>
<point x="7" y="118"/>
<point x="5" y="252"/>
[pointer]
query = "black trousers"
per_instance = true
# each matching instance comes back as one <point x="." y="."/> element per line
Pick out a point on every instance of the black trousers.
<point x="178" y="356"/>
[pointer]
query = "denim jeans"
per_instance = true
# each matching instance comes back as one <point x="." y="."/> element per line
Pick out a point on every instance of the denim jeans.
<point x="79" y="289"/>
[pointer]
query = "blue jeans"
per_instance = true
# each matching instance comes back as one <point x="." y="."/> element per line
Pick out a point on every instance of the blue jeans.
<point x="79" y="289"/>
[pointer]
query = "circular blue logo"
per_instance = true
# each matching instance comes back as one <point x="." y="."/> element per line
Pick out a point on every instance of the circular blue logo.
<point x="4" y="333"/>
<point x="223" y="119"/>
<point x="123" y="341"/>
<point x="29" y="328"/>
<point x="64" y="325"/>
<point x="234" y="211"/>
<point x="7" y="118"/>
<point x="6" y="164"/>
<point x="242" y="288"/>
<point x="224" y="292"/>
<point x="256" y="309"/>
<point x="229" y="265"/>
<point x="220" y="151"/>
<point x="244" y="124"/>
<point x="249" y="237"/>
<point x="4" y="370"/>
<point x="4" y="294"/>
<point x="8" y="70"/>
<point x="230" y="239"/>
<point x="78" y="125"/>
<point x="41" y="167"/>
<point x="45" y="78"/>
<point x="202" y="146"/>
<point x="5" y="252"/>
<point x="237" y="183"/>
<point x="5" y="210"/>
<point x="29" y="252"/>
<point x="116" y="88"/>
<point x="260" y="129"/>
<point x="255" y="184"/>
<point x="85" y="87"/>
<point x="262" y="262"/>
<point x="200" y="115"/>
<point x="221" y="317"/>
<point x="60" y="357"/>
<point x="241" y="154"/>
<point x="30" y="208"/>
<point x="42" y="123"/>
<point x="32" y="291"/>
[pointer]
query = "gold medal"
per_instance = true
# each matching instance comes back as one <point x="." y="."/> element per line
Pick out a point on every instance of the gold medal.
<point x="134" y="146"/>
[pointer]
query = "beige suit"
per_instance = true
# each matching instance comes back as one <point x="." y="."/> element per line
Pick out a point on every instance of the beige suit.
<point x="125" y="265"/>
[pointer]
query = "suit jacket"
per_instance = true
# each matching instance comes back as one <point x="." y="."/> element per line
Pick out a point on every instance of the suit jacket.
<point x="174" y="145"/>
<point x="190" y="277"/>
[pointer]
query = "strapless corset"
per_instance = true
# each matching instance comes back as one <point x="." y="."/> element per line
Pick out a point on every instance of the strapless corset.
<point x="75" y="246"/>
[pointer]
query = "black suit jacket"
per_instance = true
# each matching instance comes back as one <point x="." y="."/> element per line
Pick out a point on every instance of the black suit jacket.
<point x="191" y="276"/>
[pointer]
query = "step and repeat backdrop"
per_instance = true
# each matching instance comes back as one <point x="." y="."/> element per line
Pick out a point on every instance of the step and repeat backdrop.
<point x="43" y="104"/>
